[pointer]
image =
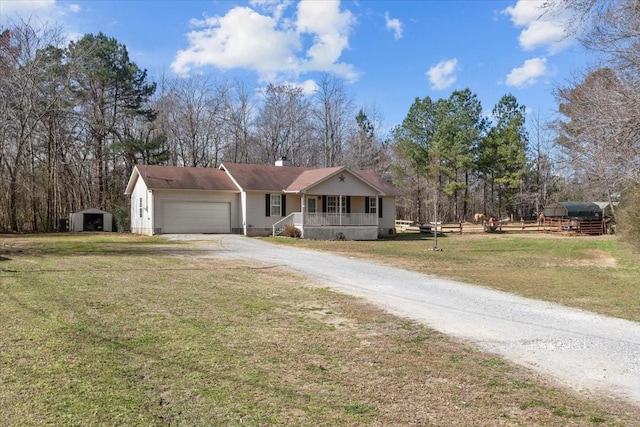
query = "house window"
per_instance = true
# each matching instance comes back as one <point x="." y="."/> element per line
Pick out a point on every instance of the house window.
<point x="275" y="205"/>
<point x="370" y="205"/>
<point x="373" y="205"/>
<point x="334" y="203"/>
<point x="141" y="207"/>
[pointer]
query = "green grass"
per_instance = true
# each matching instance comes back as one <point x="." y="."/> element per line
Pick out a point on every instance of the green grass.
<point x="600" y="274"/>
<point x="137" y="331"/>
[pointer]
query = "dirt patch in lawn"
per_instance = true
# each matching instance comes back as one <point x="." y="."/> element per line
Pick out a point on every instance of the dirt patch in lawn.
<point x="600" y="258"/>
<point x="594" y="258"/>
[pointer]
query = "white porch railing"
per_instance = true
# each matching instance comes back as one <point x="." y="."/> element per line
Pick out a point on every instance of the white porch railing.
<point x="287" y="220"/>
<point x="325" y="220"/>
<point x="333" y="219"/>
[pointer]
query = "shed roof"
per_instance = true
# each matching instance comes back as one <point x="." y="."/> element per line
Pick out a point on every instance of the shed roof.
<point x="91" y="210"/>
<point x="607" y="207"/>
<point x="573" y="209"/>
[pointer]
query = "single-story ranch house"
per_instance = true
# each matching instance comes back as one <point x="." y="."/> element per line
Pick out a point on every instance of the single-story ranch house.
<point x="259" y="200"/>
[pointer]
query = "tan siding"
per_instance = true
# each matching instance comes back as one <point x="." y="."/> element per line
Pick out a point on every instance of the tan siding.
<point x="388" y="219"/>
<point x="351" y="186"/>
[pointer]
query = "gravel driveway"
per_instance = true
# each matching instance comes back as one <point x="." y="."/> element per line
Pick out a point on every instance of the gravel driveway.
<point x="586" y="351"/>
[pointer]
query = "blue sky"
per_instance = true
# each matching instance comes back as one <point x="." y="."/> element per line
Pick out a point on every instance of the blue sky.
<point x="387" y="52"/>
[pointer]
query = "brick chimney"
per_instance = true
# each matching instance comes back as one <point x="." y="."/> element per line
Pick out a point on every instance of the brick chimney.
<point x="283" y="161"/>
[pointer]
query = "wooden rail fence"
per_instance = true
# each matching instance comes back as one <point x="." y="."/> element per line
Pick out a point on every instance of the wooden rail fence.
<point x="588" y="226"/>
<point x="403" y="226"/>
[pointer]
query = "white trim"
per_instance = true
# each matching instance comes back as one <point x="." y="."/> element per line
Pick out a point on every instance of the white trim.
<point x="243" y="207"/>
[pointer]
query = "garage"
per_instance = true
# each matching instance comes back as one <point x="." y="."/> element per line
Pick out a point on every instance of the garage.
<point x="195" y="217"/>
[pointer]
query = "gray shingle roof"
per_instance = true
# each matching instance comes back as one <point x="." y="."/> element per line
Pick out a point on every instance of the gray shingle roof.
<point x="185" y="178"/>
<point x="263" y="177"/>
<point x="245" y="177"/>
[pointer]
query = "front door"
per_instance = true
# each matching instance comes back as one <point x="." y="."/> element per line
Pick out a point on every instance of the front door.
<point x="311" y="204"/>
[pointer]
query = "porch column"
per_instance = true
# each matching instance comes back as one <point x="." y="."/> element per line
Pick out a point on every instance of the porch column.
<point x="243" y="207"/>
<point x="303" y="206"/>
<point x="378" y="213"/>
<point x="150" y="212"/>
<point x="340" y="208"/>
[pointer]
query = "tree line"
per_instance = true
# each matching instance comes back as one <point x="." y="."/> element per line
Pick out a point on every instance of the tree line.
<point x="76" y="118"/>
<point x="453" y="159"/>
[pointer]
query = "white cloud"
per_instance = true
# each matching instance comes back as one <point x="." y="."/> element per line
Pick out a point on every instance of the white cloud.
<point x="330" y="29"/>
<point x="47" y="11"/>
<point x="50" y="16"/>
<point x="269" y="43"/>
<point x="43" y="11"/>
<point x="242" y="38"/>
<point x="394" y="25"/>
<point x="528" y="73"/>
<point x="543" y="28"/>
<point x="442" y="75"/>
<point x="27" y="6"/>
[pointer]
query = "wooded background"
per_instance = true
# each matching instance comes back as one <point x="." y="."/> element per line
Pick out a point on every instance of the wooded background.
<point x="75" y="118"/>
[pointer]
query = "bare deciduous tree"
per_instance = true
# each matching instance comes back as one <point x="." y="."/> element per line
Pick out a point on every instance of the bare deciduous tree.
<point x="282" y="125"/>
<point x="542" y="178"/>
<point x="611" y="27"/>
<point x="239" y="123"/>
<point x="601" y="127"/>
<point x="194" y="111"/>
<point x="599" y="135"/>
<point x="28" y="99"/>
<point x="334" y="119"/>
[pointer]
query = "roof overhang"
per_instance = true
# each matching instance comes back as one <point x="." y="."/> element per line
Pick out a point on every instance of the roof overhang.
<point x="133" y="178"/>
<point x="323" y="177"/>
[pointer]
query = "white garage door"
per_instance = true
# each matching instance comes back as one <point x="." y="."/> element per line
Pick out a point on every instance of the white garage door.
<point x="196" y="217"/>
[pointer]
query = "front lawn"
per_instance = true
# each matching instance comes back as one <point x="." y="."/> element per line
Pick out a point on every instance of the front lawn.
<point x="137" y="331"/>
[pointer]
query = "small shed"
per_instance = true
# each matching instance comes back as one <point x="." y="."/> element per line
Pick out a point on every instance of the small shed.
<point x="91" y="220"/>
<point x="574" y="217"/>
<point x="573" y="210"/>
<point x="607" y="208"/>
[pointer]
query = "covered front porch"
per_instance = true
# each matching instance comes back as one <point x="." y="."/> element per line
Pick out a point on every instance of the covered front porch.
<point x="331" y="226"/>
<point x="334" y="217"/>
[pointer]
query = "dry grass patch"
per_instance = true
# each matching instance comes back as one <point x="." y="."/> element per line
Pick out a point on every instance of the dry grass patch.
<point x="107" y="338"/>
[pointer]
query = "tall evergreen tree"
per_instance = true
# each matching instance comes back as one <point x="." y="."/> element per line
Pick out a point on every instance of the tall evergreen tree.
<point x="502" y="155"/>
<point x="458" y="135"/>
<point x="109" y="89"/>
<point x="414" y="141"/>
